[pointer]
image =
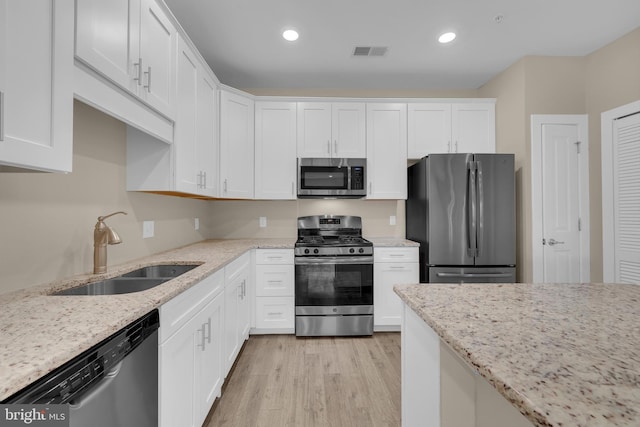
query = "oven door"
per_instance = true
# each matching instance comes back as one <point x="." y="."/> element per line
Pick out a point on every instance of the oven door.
<point x="334" y="281"/>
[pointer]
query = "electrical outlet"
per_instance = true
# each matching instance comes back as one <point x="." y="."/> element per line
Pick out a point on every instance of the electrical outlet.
<point x="392" y="220"/>
<point x="263" y="221"/>
<point x="148" y="229"/>
<point x="196" y="223"/>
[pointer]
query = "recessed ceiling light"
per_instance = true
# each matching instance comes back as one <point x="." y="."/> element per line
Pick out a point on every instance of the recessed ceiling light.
<point x="447" y="37"/>
<point x="290" y="35"/>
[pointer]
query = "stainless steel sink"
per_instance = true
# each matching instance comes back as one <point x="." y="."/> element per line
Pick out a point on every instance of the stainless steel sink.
<point x="134" y="281"/>
<point x="164" y="270"/>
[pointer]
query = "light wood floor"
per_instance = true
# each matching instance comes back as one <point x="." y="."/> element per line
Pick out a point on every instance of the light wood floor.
<point x="281" y="380"/>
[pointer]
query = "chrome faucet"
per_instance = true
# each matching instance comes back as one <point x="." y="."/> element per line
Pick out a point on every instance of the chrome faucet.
<point x="103" y="235"/>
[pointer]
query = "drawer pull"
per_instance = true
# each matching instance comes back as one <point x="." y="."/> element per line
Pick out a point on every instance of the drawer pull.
<point x="279" y="313"/>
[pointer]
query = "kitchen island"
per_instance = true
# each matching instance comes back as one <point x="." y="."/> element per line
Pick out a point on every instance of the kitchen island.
<point x="560" y="354"/>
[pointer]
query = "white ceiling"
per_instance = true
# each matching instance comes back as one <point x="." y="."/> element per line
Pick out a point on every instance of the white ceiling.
<point x="241" y="39"/>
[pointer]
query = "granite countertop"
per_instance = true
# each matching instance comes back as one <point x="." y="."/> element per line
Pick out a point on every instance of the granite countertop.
<point x="392" y="242"/>
<point x="563" y="355"/>
<point x="39" y="331"/>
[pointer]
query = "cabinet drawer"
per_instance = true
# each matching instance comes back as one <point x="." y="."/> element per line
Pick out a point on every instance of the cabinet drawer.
<point x="404" y="254"/>
<point x="274" y="280"/>
<point x="176" y="312"/>
<point x="274" y="256"/>
<point x="274" y="313"/>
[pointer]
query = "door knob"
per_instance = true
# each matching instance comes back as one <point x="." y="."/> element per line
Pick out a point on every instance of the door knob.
<point x="553" y="242"/>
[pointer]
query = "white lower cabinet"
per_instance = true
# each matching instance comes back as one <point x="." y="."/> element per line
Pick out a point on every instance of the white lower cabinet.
<point x="391" y="266"/>
<point x="237" y="316"/>
<point x="439" y="389"/>
<point x="190" y="353"/>
<point x="274" y="308"/>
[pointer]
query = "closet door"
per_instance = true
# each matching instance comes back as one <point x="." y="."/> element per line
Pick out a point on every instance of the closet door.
<point x="626" y="193"/>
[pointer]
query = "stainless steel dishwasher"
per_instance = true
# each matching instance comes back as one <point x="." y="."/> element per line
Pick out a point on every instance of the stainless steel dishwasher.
<point x="113" y="384"/>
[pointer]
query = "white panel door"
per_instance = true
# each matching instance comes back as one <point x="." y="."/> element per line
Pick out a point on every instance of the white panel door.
<point x="561" y="204"/>
<point x="626" y="196"/>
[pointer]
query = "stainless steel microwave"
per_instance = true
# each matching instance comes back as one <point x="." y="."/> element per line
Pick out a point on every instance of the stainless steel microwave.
<point x="332" y="178"/>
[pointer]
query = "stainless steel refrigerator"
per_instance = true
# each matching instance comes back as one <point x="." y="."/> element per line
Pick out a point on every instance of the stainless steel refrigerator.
<point x="461" y="209"/>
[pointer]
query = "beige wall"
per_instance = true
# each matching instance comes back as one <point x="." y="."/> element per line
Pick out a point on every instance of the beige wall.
<point x="607" y="78"/>
<point x="239" y="219"/>
<point x="509" y="90"/>
<point x="48" y="219"/>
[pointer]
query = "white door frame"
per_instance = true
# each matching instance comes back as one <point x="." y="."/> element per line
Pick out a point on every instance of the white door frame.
<point x="608" y="233"/>
<point x="537" y="121"/>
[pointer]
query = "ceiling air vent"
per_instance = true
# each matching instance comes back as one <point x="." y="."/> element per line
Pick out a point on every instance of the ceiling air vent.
<point x="370" y="51"/>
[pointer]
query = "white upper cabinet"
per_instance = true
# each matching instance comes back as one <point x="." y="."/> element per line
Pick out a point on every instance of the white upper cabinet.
<point x="236" y="146"/>
<point x="185" y="145"/>
<point x="473" y="128"/>
<point x="451" y="128"/>
<point x="331" y="129"/>
<point x="132" y="43"/>
<point x="36" y="84"/>
<point x="429" y="129"/>
<point x="206" y="133"/>
<point x="386" y="151"/>
<point x="275" y="150"/>
<point x="195" y="144"/>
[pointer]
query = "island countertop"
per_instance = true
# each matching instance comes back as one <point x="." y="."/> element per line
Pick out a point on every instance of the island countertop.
<point x="562" y="354"/>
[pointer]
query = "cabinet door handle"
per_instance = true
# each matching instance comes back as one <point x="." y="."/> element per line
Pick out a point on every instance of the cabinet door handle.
<point x="224" y="185"/>
<point x="335" y="146"/>
<point x="456" y="146"/>
<point x="448" y="146"/>
<point x="202" y="342"/>
<point x="1" y="116"/>
<point x="244" y="288"/>
<point x="138" y="66"/>
<point x="148" y="74"/>
<point x="208" y="325"/>
<point x="370" y="187"/>
<point x="397" y="267"/>
<point x="293" y="189"/>
<point x="328" y="147"/>
<point x="204" y="185"/>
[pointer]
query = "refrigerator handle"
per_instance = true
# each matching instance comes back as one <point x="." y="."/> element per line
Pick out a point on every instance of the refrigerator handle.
<point x="480" y="207"/>
<point x="471" y="207"/>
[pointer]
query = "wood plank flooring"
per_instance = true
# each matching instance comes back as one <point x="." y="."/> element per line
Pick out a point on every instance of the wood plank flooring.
<point x="281" y="380"/>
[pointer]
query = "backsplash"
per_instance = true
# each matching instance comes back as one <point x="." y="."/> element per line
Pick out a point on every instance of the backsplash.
<point x="240" y="219"/>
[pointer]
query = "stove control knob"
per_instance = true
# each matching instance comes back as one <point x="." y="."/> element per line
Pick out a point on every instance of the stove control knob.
<point x="315" y="251"/>
<point x="361" y="250"/>
<point x="352" y="250"/>
<point x="306" y="251"/>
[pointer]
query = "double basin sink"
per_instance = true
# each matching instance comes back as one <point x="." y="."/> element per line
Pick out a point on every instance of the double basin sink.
<point x="133" y="281"/>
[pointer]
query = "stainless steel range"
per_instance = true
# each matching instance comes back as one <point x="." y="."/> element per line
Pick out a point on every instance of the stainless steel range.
<point x="334" y="277"/>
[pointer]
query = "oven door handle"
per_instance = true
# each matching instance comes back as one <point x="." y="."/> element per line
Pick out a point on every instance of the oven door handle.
<point x="333" y="260"/>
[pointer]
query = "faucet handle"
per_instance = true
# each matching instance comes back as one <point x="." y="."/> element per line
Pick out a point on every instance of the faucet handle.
<point x="102" y="218"/>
